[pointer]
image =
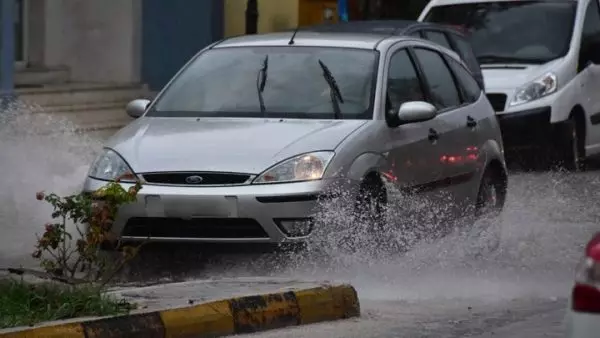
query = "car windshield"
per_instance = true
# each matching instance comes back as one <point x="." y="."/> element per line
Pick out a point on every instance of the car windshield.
<point x="512" y="31"/>
<point x="292" y="82"/>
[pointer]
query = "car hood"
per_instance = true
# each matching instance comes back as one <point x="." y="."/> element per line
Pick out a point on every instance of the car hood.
<point x="513" y="76"/>
<point x="223" y="144"/>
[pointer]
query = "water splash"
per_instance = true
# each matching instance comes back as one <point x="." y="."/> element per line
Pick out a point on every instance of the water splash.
<point x="547" y="220"/>
<point x="530" y="250"/>
<point x="37" y="152"/>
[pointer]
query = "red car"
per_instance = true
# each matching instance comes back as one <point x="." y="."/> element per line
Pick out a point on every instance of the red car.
<point x="583" y="320"/>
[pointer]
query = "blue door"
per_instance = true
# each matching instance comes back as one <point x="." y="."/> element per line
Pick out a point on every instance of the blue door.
<point x="172" y="32"/>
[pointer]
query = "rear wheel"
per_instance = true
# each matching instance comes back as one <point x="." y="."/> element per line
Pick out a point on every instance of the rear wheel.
<point x="492" y="194"/>
<point x="485" y="234"/>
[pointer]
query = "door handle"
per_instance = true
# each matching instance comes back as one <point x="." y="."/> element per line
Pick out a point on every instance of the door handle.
<point x="433" y="135"/>
<point x="471" y="123"/>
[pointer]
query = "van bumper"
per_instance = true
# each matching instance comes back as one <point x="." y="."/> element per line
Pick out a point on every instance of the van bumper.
<point x="529" y="129"/>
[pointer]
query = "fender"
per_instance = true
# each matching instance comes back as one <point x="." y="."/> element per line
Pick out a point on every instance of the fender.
<point x="488" y="152"/>
<point x="363" y="164"/>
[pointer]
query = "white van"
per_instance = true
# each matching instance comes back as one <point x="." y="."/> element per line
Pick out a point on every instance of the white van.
<point x="541" y="67"/>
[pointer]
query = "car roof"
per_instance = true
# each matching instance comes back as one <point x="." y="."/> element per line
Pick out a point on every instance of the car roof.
<point x="379" y="27"/>
<point x="305" y="38"/>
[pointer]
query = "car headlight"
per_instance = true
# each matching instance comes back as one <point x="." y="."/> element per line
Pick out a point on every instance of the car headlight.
<point x="109" y="166"/>
<point x="305" y="167"/>
<point x="537" y="89"/>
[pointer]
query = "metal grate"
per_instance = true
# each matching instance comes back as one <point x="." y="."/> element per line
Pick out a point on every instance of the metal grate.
<point x="194" y="228"/>
<point x="192" y="178"/>
<point x="498" y="101"/>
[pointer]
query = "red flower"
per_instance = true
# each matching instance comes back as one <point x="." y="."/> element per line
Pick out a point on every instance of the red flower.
<point x="39" y="195"/>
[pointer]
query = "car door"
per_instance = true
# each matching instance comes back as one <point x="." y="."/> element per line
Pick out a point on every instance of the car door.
<point x="454" y="126"/>
<point x="412" y="152"/>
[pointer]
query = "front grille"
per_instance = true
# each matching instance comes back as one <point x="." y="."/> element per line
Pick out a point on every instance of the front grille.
<point x="194" y="228"/>
<point x="498" y="101"/>
<point x="182" y="178"/>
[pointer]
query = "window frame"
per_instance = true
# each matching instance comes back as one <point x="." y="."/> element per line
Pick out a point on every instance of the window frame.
<point x="428" y="87"/>
<point x="464" y="95"/>
<point x="388" y="63"/>
<point x="443" y="33"/>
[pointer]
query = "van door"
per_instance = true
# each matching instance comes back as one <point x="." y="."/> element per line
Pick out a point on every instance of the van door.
<point x="589" y="73"/>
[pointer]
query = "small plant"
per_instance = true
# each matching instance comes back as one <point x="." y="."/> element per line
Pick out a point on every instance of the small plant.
<point x="92" y="215"/>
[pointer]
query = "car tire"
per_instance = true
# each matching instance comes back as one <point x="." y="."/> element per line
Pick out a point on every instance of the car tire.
<point x="370" y="205"/>
<point x="570" y="151"/>
<point x="485" y="234"/>
<point x="491" y="195"/>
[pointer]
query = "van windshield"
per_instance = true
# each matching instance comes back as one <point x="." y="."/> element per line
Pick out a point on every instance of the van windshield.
<point x="512" y="31"/>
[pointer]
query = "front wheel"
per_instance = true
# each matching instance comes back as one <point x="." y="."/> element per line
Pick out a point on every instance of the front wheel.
<point x="570" y="151"/>
<point x="370" y="205"/>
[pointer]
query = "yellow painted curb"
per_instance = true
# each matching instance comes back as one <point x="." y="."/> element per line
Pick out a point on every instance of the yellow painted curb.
<point x="218" y="318"/>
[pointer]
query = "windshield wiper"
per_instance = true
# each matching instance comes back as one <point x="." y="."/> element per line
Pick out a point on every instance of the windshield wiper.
<point x="489" y="58"/>
<point x="261" y="81"/>
<point x="335" y="94"/>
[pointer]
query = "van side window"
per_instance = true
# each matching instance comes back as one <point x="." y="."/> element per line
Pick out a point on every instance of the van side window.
<point x="590" y="34"/>
<point x="438" y="37"/>
<point x="403" y="83"/>
<point x="470" y="87"/>
<point x="442" y="87"/>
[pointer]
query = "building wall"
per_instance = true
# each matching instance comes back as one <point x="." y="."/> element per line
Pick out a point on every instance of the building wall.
<point x="99" y="40"/>
<point x="274" y="15"/>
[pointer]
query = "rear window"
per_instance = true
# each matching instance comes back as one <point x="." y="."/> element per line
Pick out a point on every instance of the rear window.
<point x="466" y="52"/>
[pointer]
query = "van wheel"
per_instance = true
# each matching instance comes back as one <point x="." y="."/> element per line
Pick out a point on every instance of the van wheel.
<point x="370" y="205"/>
<point x="571" y="151"/>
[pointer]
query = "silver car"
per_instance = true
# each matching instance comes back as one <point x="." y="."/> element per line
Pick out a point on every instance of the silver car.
<point x="244" y="141"/>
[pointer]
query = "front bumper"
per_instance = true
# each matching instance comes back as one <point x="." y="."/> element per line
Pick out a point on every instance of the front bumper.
<point x="528" y="129"/>
<point x="234" y="214"/>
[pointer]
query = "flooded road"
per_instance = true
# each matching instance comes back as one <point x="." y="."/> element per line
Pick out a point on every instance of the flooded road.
<point x="445" y="288"/>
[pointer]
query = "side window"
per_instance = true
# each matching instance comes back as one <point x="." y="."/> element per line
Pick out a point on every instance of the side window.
<point x="403" y="83"/>
<point x="444" y="93"/>
<point x="438" y="37"/>
<point x="470" y="87"/>
<point x="466" y="52"/>
<point x="590" y="34"/>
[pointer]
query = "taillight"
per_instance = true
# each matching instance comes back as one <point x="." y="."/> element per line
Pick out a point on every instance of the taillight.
<point x="586" y="292"/>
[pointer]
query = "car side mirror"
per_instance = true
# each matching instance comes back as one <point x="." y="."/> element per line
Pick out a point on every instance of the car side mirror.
<point x="137" y="108"/>
<point x="415" y="111"/>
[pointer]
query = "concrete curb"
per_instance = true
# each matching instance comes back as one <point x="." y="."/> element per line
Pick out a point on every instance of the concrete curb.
<point x="218" y="318"/>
